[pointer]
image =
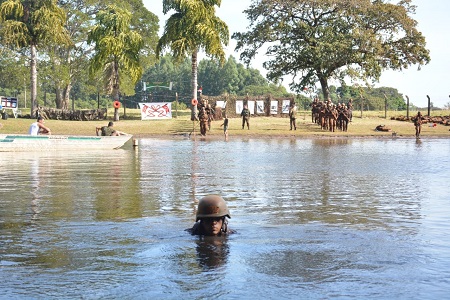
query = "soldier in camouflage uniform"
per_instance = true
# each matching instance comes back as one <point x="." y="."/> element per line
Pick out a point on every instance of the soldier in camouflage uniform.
<point x="245" y="114"/>
<point x="293" y="116"/>
<point x="203" y="118"/>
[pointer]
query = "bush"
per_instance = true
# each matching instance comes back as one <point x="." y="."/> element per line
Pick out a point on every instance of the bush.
<point x="178" y="105"/>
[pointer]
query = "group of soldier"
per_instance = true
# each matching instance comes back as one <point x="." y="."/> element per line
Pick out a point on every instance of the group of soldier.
<point x="331" y="116"/>
<point x="206" y="115"/>
<point x="325" y="113"/>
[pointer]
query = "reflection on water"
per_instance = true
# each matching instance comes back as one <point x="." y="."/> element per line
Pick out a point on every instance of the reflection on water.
<point x="35" y="186"/>
<point x="212" y="252"/>
<point x="321" y="218"/>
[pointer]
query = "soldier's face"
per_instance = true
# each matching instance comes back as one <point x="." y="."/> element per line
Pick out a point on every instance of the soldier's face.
<point x="212" y="226"/>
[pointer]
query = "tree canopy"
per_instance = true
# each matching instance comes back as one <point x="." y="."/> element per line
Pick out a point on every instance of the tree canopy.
<point x="194" y="26"/>
<point x="59" y="29"/>
<point x="314" y="41"/>
<point x="29" y="24"/>
<point x="235" y="79"/>
<point x="63" y="67"/>
<point x="117" y="47"/>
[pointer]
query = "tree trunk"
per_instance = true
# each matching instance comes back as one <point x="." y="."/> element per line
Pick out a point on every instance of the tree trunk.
<point x="58" y="84"/>
<point x="62" y="96"/>
<point x="66" y="98"/>
<point x="324" y="86"/>
<point x="194" y="116"/>
<point x="116" y="90"/>
<point x="58" y="96"/>
<point x="124" y="106"/>
<point x="33" y="70"/>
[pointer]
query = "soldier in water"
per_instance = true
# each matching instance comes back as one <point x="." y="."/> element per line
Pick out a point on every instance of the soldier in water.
<point x="211" y="217"/>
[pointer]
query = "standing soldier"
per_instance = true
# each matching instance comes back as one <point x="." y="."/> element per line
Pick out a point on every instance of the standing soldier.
<point x="293" y="115"/>
<point x="225" y="126"/>
<point x="245" y="114"/>
<point x="418" y="124"/>
<point x="203" y="118"/>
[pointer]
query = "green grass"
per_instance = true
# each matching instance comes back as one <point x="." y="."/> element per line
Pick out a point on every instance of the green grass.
<point x="259" y="126"/>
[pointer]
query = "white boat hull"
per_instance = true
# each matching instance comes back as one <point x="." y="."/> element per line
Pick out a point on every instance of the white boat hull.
<point x="22" y="142"/>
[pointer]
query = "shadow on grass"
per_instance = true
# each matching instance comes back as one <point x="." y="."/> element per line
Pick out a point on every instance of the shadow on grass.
<point x="184" y="127"/>
<point x="313" y="127"/>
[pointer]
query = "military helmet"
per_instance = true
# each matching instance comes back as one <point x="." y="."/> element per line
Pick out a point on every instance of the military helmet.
<point x="212" y="206"/>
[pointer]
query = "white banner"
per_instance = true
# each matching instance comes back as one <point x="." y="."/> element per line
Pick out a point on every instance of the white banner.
<point x="259" y="106"/>
<point x="239" y="106"/>
<point x="156" y="110"/>
<point x="251" y="106"/>
<point x="285" y="107"/>
<point x="222" y="104"/>
<point x="273" y="107"/>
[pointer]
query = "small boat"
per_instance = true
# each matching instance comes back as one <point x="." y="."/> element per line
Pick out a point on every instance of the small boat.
<point x="23" y="142"/>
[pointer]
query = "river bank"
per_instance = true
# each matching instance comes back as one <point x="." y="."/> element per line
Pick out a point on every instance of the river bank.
<point x="260" y="127"/>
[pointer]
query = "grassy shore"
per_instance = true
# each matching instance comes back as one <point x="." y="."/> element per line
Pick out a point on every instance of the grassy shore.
<point x="260" y="127"/>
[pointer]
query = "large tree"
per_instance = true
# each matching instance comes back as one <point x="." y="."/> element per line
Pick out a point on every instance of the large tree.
<point x="191" y="28"/>
<point x="67" y="64"/>
<point x="70" y="64"/>
<point x="13" y="71"/>
<point x="117" y="48"/>
<point x="320" y="40"/>
<point x="29" y="24"/>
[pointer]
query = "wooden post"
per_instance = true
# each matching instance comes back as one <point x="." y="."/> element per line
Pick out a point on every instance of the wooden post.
<point x="25" y="92"/>
<point x="176" y="108"/>
<point x="407" y="107"/>
<point x="124" y="106"/>
<point x="362" y="105"/>
<point x="362" y="99"/>
<point x="429" y="102"/>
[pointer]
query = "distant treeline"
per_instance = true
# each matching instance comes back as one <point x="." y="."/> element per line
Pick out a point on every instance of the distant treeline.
<point x="232" y="78"/>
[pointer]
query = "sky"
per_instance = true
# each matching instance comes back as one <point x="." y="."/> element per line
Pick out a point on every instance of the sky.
<point x="433" y="22"/>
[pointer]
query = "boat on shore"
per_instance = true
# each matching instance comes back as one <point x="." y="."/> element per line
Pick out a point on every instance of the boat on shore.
<point x="23" y="142"/>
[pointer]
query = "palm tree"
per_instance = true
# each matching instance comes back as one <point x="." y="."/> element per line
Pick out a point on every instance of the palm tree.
<point x="33" y="23"/>
<point x="193" y="27"/>
<point x="117" y="47"/>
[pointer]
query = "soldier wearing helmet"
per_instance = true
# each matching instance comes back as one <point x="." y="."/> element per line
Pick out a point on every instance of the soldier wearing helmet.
<point x="211" y="217"/>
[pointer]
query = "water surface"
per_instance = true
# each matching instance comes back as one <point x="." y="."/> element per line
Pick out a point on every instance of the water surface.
<point x="315" y="219"/>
